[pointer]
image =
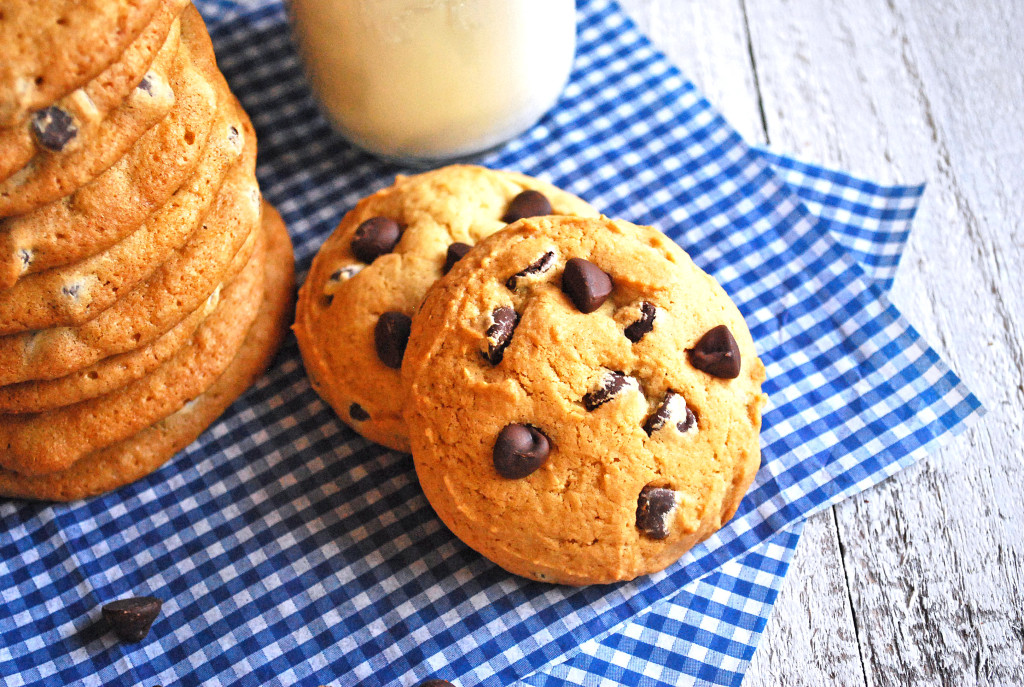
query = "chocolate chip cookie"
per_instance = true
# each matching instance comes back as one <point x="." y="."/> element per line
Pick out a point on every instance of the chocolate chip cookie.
<point x="214" y="253"/>
<point x="110" y="207"/>
<point x="64" y="124"/>
<point x="138" y="455"/>
<point x="48" y="49"/>
<point x="370" y="275"/>
<point x="584" y="403"/>
<point x="71" y="158"/>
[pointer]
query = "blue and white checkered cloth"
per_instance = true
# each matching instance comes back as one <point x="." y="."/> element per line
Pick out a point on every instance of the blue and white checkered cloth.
<point x="288" y="551"/>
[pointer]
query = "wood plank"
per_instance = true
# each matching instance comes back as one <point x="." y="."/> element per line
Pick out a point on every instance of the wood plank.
<point x="810" y="637"/>
<point x="928" y="90"/>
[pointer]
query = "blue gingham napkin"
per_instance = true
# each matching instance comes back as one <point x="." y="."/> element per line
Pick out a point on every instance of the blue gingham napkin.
<point x="289" y="551"/>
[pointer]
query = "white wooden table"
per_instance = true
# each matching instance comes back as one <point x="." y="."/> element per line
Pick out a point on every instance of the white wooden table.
<point x="918" y="581"/>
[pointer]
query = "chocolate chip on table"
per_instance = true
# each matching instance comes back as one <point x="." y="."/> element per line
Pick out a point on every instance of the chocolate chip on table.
<point x="538" y="266"/>
<point x="375" y="237"/>
<point x="456" y="252"/>
<point x="131" y="618"/>
<point x="644" y="325"/>
<point x="390" y="337"/>
<point x="54" y="128"/>
<point x="673" y="409"/>
<point x="527" y="204"/>
<point x="717" y="353"/>
<point x="586" y="284"/>
<point x="434" y="682"/>
<point x="519" y="450"/>
<point x="358" y="413"/>
<point x="611" y="385"/>
<point x="653" y="508"/>
<point x="499" y="334"/>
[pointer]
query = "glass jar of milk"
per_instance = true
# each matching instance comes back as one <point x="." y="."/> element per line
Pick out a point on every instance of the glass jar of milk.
<point x="427" y="81"/>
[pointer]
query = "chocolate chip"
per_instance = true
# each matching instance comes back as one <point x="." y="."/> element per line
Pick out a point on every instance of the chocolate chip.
<point x="358" y="413"/>
<point x="53" y="128"/>
<point x="586" y="284"/>
<point x="131" y="618"/>
<point x="717" y="353"/>
<point x="644" y="325"/>
<point x="538" y="266"/>
<point x="499" y="334"/>
<point x="653" y="507"/>
<point x="25" y="255"/>
<point x="146" y="85"/>
<point x="611" y="385"/>
<point x="390" y="337"/>
<point x="435" y="683"/>
<point x="345" y="273"/>
<point x="520" y="450"/>
<point x="233" y="134"/>
<point x="673" y="408"/>
<point x="71" y="290"/>
<point x="456" y="252"/>
<point x="375" y="237"/>
<point x="527" y="204"/>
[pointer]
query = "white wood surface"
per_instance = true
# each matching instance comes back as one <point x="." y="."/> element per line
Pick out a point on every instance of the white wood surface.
<point x="918" y="581"/>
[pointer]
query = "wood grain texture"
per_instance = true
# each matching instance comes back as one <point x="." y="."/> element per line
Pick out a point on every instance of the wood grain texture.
<point x="920" y="578"/>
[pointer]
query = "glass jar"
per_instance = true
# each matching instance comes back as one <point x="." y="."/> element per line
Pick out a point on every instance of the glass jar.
<point x="428" y="81"/>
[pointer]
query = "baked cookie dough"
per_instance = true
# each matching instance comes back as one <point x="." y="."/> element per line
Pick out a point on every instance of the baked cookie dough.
<point x="135" y="457"/>
<point x="586" y="421"/>
<point x="370" y="275"/>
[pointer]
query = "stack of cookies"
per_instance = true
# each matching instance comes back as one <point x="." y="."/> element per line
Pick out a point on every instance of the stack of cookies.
<point x="144" y="284"/>
<point x="582" y="402"/>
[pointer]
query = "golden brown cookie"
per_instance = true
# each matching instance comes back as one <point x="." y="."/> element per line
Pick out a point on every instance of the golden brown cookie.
<point x="349" y="288"/>
<point x="39" y="396"/>
<point x="144" y="452"/>
<point x="51" y="174"/>
<point x="588" y="423"/>
<point x="41" y="443"/>
<point x="103" y="212"/>
<point x="48" y="49"/>
<point x="215" y="252"/>
<point x="85" y="108"/>
<point x="76" y="293"/>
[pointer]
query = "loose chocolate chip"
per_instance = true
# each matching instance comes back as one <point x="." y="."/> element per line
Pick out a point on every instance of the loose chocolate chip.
<point x="673" y="408"/>
<point x="520" y="450"/>
<point x="611" y="385"/>
<point x="131" y="618"/>
<point x="54" y="128"/>
<point x="456" y="252"/>
<point x="653" y="507"/>
<point x="146" y="85"/>
<point x="390" y="336"/>
<point x="717" y="353"/>
<point x="527" y="204"/>
<point x="499" y="334"/>
<point x="586" y="284"/>
<point x="538" y="266"/>
<point x="644" y="325"/>
<point x="435" y="683"/>
<point x="358" y="413"/>
<point x="375" y="237"/>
